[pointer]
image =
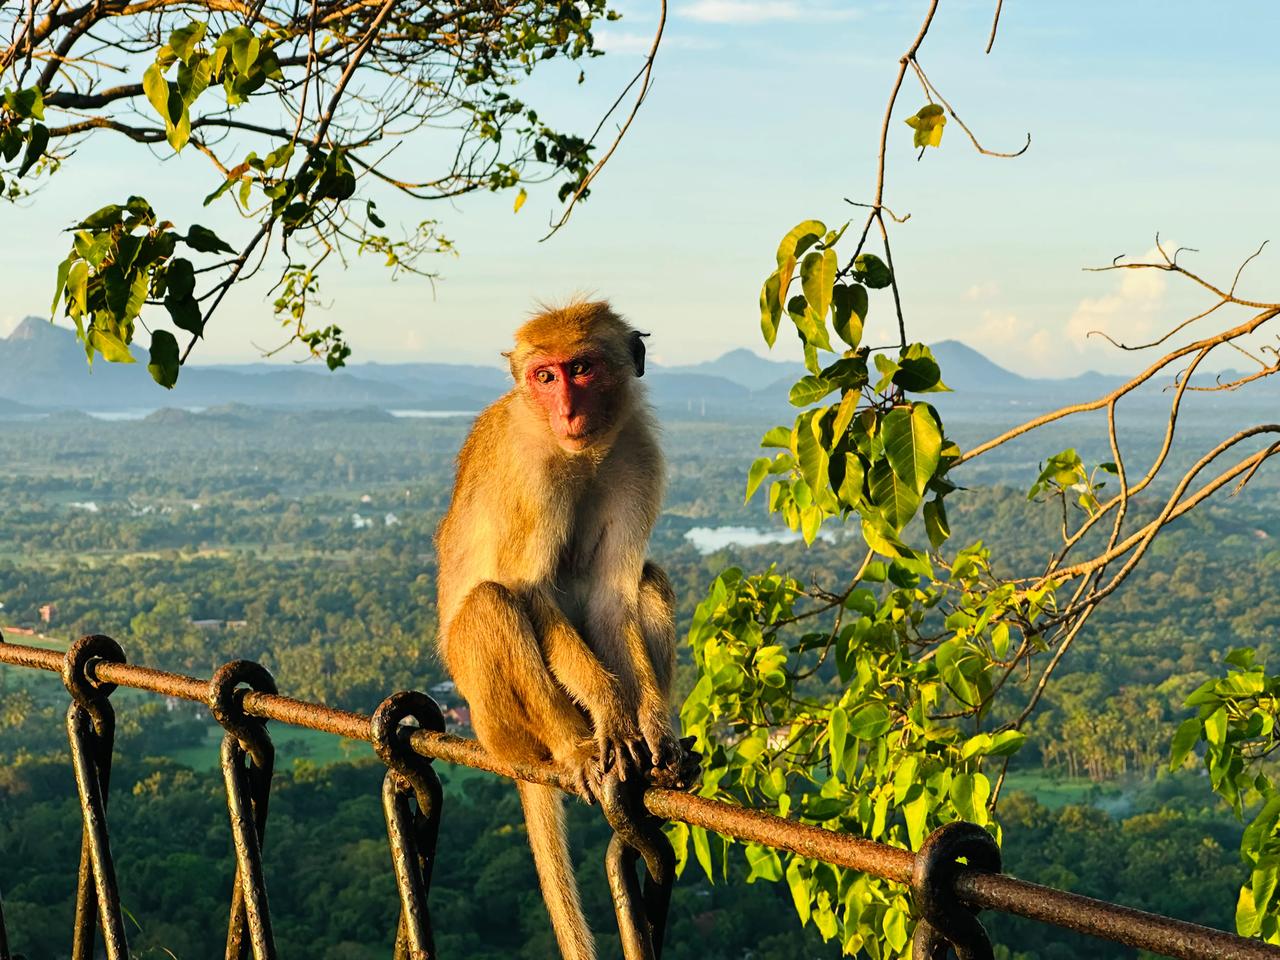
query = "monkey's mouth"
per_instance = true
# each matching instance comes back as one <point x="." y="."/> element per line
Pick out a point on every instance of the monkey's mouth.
<point x="577" y="442"/>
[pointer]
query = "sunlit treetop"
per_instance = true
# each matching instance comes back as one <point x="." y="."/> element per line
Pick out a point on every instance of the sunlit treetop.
<point x="299" y="109"/>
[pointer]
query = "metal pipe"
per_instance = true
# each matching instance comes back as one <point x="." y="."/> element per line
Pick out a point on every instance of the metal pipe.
<point x="1108" y="921"/>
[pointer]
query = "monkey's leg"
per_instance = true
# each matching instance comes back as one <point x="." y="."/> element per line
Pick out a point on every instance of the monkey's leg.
<point x="577" y="669"/>
<point x="519" y="712"/>
<point x="634" y="629"/>
<point x="658" y="625"/>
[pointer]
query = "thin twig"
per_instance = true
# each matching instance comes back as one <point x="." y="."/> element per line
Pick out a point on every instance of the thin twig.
<point x="643" y="77"/>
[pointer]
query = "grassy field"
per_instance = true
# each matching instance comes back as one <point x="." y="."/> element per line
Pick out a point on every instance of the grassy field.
<point x="1055" y="792"/>
<point x="293" y="744"/>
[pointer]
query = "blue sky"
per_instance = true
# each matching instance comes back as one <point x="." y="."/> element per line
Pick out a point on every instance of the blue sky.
<point x="1144" y="117"/>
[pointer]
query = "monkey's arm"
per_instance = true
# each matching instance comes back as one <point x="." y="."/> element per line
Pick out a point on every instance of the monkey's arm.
<point x="634" y="632"/>
<point x="588" y="682"/>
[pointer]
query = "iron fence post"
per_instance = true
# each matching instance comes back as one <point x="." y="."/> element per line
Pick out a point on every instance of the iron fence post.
<point x="248" y="760"/>
<point x="91" y="726"/>
<point x="411" y="833"/>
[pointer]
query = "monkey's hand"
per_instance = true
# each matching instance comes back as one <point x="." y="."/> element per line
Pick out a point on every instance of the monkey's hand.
<point x="665" y="751"/>
<point x="581" y="770"/>
<point x="618" y="743"/>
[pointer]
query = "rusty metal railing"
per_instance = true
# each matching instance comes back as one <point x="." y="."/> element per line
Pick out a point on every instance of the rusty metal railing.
<point x="948" y="894"/>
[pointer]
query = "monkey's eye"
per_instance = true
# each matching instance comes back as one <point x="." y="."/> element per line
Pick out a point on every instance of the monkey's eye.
<point x="579" y="367"/>
<point x="544" y="376"/>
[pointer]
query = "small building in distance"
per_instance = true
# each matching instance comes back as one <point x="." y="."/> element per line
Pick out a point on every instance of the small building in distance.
<point x="48" y="612"/>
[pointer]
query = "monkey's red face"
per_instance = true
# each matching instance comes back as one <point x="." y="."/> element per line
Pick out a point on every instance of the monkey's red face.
<point x="579" y="395"/>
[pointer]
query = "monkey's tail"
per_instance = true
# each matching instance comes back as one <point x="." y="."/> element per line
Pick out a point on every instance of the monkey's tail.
<point x="544" y="817"/>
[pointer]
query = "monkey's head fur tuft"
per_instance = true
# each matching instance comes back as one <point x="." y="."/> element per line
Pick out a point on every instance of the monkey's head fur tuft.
<point x="575" y="366"/>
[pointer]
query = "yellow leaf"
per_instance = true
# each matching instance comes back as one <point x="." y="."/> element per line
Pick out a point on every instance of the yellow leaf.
<point x="520" y="199"/>
<point x="928" y="123"/>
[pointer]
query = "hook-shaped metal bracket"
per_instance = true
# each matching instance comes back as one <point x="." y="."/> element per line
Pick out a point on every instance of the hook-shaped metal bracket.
<point x="411" y="833"/>
<point x="945" y="921"/>
<point x="248" y="759"/>
<point x="91" y="729"/>
<point x="637" y="834"/>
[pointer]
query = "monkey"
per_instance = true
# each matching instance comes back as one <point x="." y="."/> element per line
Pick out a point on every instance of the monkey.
<point x="554" y="627"/>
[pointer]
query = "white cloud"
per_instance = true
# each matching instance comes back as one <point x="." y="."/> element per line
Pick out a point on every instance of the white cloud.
<point x="987" y="290"/>
<point x="1001" y="331"/>
<point x="1128" y="315"/>
<point x="620" y="42"/>
<point x="763" y="11"/>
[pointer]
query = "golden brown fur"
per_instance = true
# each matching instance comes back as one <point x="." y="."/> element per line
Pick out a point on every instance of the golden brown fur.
<point x="553" y="626"/>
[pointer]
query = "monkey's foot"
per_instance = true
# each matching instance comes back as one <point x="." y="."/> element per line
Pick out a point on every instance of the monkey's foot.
<point x="681" y="771"/>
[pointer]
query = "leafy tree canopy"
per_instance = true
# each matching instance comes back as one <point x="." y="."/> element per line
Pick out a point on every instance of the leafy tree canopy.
<point x="298" y="109"/>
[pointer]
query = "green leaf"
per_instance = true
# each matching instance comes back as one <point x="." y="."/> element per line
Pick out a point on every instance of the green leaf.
<point x="244" y="51"/>
<point x="844" y="414"/>
<point x="103" y="217"/>
<point x="851" y="485"/>
<point x="193" y="80"/>
<point x="1186" y="737"/>
<point x="800" y="238"/>
<point x="204" y="240"/>
<point x="918" y="374"/>
<point x="798" y="882"/>
<point x="702" y="851"/>
<point x="185" y="313"/>
<point x="837" y="731"/>
<point x="896" y="497"/>
<point x="755" y="476"/>
<point x="156" y="87"/>
<point x="817" y="278"/>
<point x="811" y="456"/>
<point x="777" y="437"/>
<point x="812" y="327"/>
<point x="78" y="288"/>
<point x="37" y="141"/>
<point x="164" y="359"/>
<point x="927" y="124"/>
<point x="770" y="308"/>
<point x="969" y="795"/>
<point x="915" y="813"/>
<point x="912" y="445"/>
<point x="763" y="863"/>
<point x="1215" y="727"/>
<point x="1006" y="743"/>
<point x="809" y="390"/>
<point x="904" y="779"/>
<point x="183" y="41"/>
<point x="179" y="279"/>
<point x="64" y="269"/>
<point x="178" y="132"/>
<point x="28" y="102"/>
<point x="109" y="345"/>
<point x="871" y="271"/>
<point x="850" y="313"/>
<point x="935" y="524"/>
<point x="870" y="722"/>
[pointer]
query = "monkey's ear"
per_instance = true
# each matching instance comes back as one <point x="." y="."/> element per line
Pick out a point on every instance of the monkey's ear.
<point x="511" y="362"/>
<point x="637" y="352"/>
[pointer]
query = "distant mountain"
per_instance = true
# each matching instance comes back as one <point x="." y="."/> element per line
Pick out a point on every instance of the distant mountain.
<point x="742" y="367"/>
<point x="43" y="366"/>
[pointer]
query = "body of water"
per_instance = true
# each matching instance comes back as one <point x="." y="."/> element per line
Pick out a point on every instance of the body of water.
<point x="432" y="414"/>
<point x="711" y="539"/>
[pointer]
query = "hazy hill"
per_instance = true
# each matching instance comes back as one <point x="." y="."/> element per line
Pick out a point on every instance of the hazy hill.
<point x="42" y="366"/>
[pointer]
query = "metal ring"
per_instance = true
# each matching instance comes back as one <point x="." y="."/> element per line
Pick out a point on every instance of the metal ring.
<point x="933" y="885"/>
<point x="87" y="690"/>
<point x="393" y="747"/>
<point x="226" y="703"/>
